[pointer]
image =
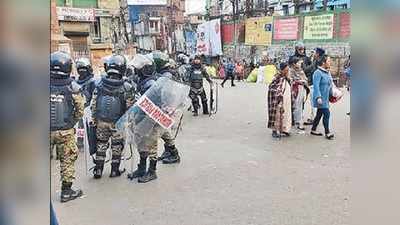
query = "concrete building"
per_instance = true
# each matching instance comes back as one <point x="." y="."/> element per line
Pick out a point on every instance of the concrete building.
<point x="93" y="28"/>
<point x="89" y="24"/>
<point x="158" y="24"/>
<point x="332" y="4"/>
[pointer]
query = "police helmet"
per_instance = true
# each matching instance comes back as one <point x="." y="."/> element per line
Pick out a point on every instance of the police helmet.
<point x="116" y="65"/>
<point x="60" y="65"/>
<point x="83" y="65"/>
<point x="143" y="64"/>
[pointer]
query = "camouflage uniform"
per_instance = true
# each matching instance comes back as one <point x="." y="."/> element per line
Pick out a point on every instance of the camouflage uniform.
<point x="65" y="143"/>
<point x="107" y="130"/>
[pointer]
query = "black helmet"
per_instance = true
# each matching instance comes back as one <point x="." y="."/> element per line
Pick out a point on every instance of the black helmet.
<point x="60" y="65"/>
<point x="83" y="66"/>
<point x="116" y="65"/>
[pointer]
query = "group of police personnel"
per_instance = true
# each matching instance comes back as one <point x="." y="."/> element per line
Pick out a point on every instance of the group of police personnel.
<point x="107" y="97"/>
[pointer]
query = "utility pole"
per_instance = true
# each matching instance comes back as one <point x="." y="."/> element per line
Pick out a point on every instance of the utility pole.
<point x="235" y="10"/>
<point x="296" y="6"/>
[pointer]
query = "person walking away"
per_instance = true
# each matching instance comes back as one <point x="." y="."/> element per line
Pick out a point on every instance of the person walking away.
<point x="300" y="91"/>
<point x="66" y="108"/>
<point x="280" y="103"/>
<point x="229" y="73"/>
<point x="322" y="81"/>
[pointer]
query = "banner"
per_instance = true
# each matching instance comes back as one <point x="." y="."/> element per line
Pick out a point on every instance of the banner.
<point x="286" y="29"/>
<point x="203" y="44"/>
<point x="318" y="27"/>
<point x="154" y="112"/>
<point x="345" y="25"/>
<point x="227" y="33"/>
<point x="75" y="14"/>
<point x="259" y="31"/>
<point x="215" y="37"/>
<point x="190" y="37"/>
<point x="209" y="38"/>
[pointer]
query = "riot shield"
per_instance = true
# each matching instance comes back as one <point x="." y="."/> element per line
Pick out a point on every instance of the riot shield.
<point x="159" y="108"/>
<point x="213" y="100"/>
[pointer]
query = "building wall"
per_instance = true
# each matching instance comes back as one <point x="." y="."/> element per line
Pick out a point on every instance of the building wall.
<point x="109" y="4"/>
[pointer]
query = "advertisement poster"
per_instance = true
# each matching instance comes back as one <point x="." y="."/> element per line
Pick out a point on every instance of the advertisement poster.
<point x="258" y="31"/>
<point x="209" y="38"/>
<point x="318" y="27"/>
<point x="286" y="29"/>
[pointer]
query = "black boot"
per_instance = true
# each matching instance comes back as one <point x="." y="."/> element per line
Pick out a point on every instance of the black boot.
<point x="68" y="194"/>
<point x="173" y="158"/>
<point x="205" y="109"/>
<point x="195" y="112"/>
<point x="141" y="169"/>
<point x="98" y="169"/>
<point x="166" y="153"/>
<point x="150" y="174"/>
<point x="115" y="172"/>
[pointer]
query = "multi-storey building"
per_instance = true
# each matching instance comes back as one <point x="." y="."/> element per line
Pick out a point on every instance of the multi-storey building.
<point x="90" y="24"/>
<point x="157" y="24"/>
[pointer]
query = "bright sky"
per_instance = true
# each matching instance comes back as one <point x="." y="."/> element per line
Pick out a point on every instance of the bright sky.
<point x="195" y="6"/>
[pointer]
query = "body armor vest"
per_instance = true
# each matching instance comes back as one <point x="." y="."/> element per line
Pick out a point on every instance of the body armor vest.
<point x="61" y="106"/>
<point x="110" y="104"/>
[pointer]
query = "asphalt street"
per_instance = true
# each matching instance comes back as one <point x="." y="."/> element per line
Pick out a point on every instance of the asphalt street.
<point x="232" y="173"/>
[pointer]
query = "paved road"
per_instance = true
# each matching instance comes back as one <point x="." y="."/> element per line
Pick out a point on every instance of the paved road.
<point x="232" y="173"/>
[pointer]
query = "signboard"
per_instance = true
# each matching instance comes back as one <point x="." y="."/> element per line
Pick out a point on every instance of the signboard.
<point x="209" y="38"/>
<point x="286" y="29"/>
<point x="155" y="113"/>
<point x="147" y="2"/>
<point x="318" y="27"/>
<point x="227" y="33"/>
<point x="258" y="31"/>
<point x="190" y="37"/>
<point x="75" y="14"/>
<point x="345" y="25"/>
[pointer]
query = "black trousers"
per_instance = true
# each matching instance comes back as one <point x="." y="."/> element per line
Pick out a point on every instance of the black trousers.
<point x="325" y="113"/>
<point x="227" y="76"/>
<point x="194" y="96"/>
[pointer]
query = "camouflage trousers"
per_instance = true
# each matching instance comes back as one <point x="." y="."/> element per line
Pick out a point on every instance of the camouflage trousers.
<point x="105" y="131"/>
<point x="65" y="143"/>
<point x="148" y="145"/>
<point x="168" y="138"/>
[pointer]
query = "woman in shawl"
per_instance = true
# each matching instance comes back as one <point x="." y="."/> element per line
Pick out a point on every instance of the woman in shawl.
<point x="300" y="91"/>
<point x="280" y="103"/>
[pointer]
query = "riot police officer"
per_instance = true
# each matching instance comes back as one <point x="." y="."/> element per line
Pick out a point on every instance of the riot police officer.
<point x="164" y="69"/>
<point x="147" y="147"/>
<point x="196" y="73"/>
<point x="86" y="81"/>
<point x="66" y="108"/>
<point x="111" y="98"/>
<point x="85" y="78"/>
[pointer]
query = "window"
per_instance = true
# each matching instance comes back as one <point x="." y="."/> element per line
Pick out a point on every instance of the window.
<point x="151" y="24"/>
<point x="285" y="9"/>
<point x="95" y="31"/>
<point x="271" y="10"/>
